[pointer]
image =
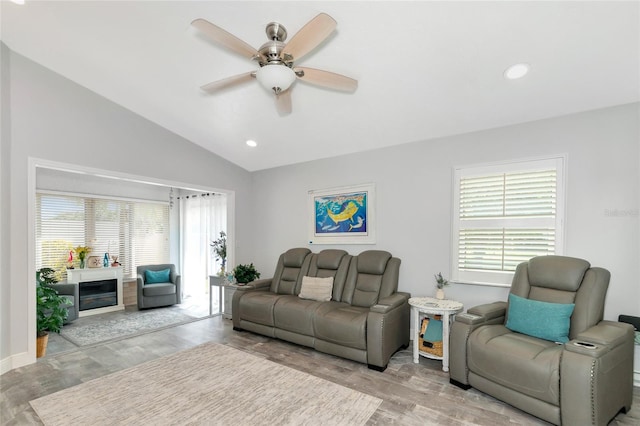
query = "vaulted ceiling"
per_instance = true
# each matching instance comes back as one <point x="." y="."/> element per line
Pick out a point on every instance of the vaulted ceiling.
<point x="425" y="69"/>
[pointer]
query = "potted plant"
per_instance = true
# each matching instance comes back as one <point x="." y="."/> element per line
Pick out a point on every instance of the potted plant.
<point x="219" y="247"/>
<point x="50" y="309"/>
<point x="245" y="273"/>
<point x="440" y="284"/>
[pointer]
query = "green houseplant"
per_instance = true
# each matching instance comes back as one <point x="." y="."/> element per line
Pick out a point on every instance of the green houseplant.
<point x="50" y="308"/>
<point x="245" y="273"/>
<point x="219" y="247"/>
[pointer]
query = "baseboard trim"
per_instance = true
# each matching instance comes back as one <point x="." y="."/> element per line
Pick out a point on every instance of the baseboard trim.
<point x="14" y="361"/>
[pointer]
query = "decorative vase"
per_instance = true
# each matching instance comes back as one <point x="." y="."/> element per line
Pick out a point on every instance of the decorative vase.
<point x="82" y="264"/>
<point x="440" y="294"/>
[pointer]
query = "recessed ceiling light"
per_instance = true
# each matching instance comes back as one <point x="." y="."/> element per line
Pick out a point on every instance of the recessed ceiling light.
<point x="516" y="71"/>
<point x="252" y="144"/>
<point x="18" y="1"/>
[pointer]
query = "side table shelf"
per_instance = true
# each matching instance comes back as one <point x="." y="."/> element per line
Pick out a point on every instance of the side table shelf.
<point x="422" y="307"/>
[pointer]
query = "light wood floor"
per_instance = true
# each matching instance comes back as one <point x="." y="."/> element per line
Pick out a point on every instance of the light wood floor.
<point x="417" y="394"/>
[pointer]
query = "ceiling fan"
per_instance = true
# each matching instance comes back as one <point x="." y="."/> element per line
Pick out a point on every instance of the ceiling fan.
<point x="276" y="58"/>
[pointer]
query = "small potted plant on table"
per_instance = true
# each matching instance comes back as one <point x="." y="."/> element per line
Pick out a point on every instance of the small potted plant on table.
<point x="440" y="284"/>
<point x="245" y="273"/>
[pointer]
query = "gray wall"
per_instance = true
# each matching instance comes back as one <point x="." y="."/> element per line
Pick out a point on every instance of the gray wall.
<point x="57" y="120"/>
<point x="414" y="187"/>
<point x="52" y="118"/>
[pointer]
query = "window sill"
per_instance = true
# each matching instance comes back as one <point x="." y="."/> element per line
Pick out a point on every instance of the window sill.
<point x="482" y="284"/>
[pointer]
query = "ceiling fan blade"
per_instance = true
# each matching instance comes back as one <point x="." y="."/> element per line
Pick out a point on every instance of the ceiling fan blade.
<point x="327" y="79"/>
<point x="283" y="102"/>
<point x="228" y="82"/>
<point x="228" y="40"/>
<point x="310" y="36"/>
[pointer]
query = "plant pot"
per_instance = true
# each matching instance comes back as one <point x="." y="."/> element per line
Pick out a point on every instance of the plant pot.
<point x="41" y="345"/>
<point x="440" y="294"/>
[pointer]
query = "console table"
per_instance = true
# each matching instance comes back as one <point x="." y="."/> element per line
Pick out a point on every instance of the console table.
<point x="429" y="306"/>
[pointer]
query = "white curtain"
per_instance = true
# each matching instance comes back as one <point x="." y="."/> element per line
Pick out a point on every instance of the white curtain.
<point x="202" y="218"/>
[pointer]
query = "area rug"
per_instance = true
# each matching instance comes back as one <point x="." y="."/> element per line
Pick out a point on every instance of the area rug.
<point x="91" y="330"/>
<point x="210" y="384"/>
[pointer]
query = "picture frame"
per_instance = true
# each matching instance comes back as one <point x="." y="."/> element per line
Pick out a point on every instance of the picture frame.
<point x="343" y="215"/>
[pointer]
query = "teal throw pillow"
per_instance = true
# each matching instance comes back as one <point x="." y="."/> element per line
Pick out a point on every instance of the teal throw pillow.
<point x="548" y="321"/>
<point x="433" y="333"/>
<point x="154" y="277"/>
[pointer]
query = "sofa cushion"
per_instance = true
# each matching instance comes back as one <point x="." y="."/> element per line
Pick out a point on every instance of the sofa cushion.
<point x="294" y="258"/>
<point x="330" y="259"/>
<point x="549" y="321"/>
<point x="161" y="289"/>
<point x="523" y="363"/>
<point x="292" y="265"/>
<point x="154" y="277"/>
<point x="294" y="314"/>
<point x="558" y="272"/>
<point x="341" y="324"/>
<point x="316" y="288"/>
<point x="373" y="262"/>
<point x="258" y="306"/>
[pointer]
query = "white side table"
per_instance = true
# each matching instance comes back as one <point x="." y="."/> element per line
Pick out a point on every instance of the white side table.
<point x="215" y="281"/>
<point x="224" y="303"/>
<point x="429" y="306"/>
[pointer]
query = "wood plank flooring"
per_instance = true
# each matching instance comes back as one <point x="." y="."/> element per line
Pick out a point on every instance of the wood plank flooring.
<point x="412" y="394"/>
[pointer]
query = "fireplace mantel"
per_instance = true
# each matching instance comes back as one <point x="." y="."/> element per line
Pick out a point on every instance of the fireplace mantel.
<point x="76" y="276"/>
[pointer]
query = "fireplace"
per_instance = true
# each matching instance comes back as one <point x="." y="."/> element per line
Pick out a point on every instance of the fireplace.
<point x="98" y="294"/>
<point x="100" y="289"/>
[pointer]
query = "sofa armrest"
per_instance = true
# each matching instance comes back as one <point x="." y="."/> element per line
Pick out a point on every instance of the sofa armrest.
<point x="387" y="328"/>
<point x="256" y="285"/>
<point x="463" y="325"/>
<point x="492" y="313"/>
<point x="386" y="304"/>
<point x="594" y="379"/>
<point x="601" y="338"/>
<point x="67" y="289"/>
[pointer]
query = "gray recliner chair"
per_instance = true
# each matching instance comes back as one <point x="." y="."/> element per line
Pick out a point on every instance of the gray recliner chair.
<point x="71" y="293"/>
<point x="152" y="295"/>
<point x="586" y="380"/>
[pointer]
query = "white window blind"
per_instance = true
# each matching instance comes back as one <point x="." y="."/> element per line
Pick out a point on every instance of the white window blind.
<point x="505" y="215"/>
<point x="136" y="231"/>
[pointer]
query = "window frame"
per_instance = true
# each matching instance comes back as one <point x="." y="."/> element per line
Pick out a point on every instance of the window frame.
<point x="90" y="226"/>
<point x="504" y="278"/>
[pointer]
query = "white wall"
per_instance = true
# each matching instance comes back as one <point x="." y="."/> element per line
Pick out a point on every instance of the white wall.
<point x="413" y="190"/>
<point x="57" y="120"/>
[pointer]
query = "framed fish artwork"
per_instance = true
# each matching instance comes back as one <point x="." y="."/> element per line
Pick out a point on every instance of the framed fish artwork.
<point x="344" y="215"/>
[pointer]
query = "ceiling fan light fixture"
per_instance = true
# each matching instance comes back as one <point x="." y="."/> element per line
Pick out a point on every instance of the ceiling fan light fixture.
<point x="275" y="77"/>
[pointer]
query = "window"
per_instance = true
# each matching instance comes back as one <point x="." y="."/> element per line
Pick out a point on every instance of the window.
<point x="504" y="215"/>
<point x="135" y="231"/>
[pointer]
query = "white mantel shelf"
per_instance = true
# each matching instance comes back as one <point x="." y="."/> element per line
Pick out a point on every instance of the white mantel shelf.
<point x="75" y="276"/>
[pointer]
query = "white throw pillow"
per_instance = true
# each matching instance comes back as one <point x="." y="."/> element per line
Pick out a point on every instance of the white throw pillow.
<point x="315" y="288"/>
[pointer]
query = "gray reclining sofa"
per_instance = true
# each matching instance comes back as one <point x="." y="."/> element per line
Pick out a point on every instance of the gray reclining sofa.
<point x="365" y="320"/>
